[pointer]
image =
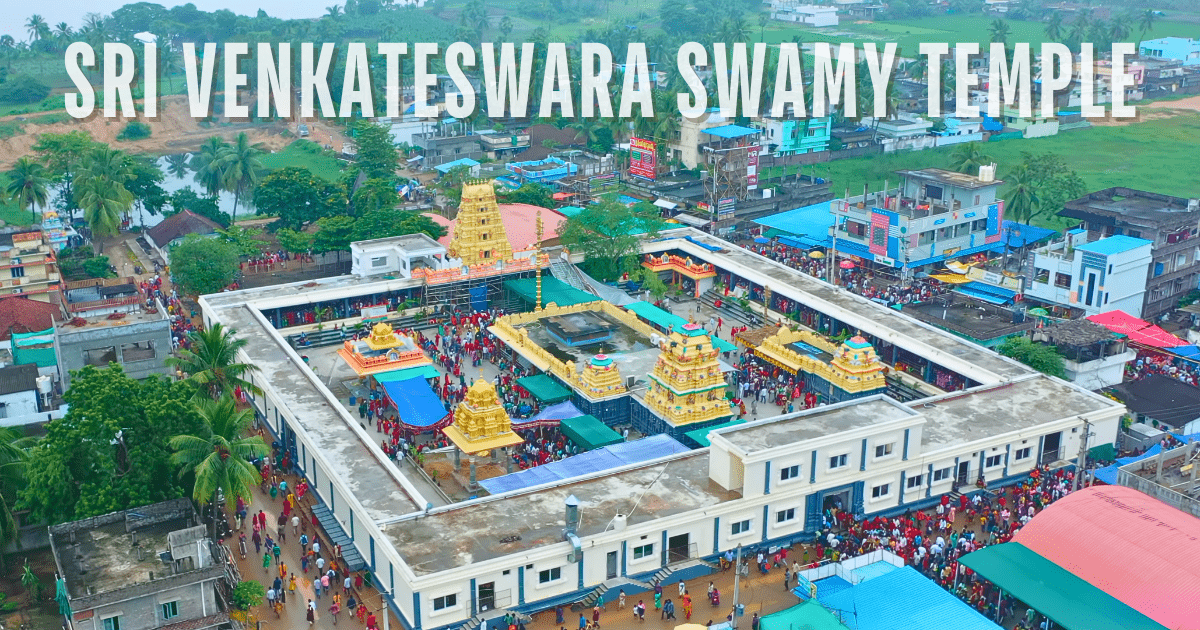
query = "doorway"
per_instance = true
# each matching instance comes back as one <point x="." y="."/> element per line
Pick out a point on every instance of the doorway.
<point x="839" y="501"/>
<point x="1050" y="447"/>
<point x="678" y="548"/>
<point x="612" y="565"/>
<point x="487" y="596"/>
<point x="964" y="469"/>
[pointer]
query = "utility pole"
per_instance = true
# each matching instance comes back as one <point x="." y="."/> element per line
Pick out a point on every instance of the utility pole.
<point x="1081" y="463"/>
<point x="737" y="576"/>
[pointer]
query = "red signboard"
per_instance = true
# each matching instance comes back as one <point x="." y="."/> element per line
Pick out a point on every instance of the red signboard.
<point x="752" y="168"/>
<point x="642" y="158"/>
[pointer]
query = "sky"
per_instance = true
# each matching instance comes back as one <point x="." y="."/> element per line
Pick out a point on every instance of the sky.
<point x="12" y="19"/>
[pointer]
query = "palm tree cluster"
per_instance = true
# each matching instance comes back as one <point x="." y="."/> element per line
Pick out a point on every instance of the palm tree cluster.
<point x="221" y="166"/>
<point x="219" y="457"/>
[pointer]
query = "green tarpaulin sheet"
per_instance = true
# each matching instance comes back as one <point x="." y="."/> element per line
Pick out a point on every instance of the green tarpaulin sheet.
<point x="1053" y="591"/>
<point x="700" y="436"/>
<point x="553" y="291"/>
<point x="545" y="389"/>
<point x="425" y="371"/>
<point x="589" y="433"/>
<point x="1102" y="453"/>
<point x="808" y="616"/>
<point x="34" y="347"/>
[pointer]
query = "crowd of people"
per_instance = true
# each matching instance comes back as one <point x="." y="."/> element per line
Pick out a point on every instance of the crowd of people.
<point x="1149" y="363"/>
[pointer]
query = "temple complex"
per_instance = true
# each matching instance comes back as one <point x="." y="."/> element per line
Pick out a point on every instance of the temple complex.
<point x="384" y="350"/>
<point x="687" y="385"/>
<point x="834" y="373"/>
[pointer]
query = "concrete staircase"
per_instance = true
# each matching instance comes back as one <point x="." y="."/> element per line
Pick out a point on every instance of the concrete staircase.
<point x="729" y="310"/>
<point x="337" y="536"/>
<point x="567" y="272"/>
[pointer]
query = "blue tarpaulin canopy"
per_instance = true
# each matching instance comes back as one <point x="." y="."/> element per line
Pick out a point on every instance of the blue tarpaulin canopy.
<point x="419" y="407"/>
<point x="599" y="460"/>
<point x="1108" y="474"/>
<point x="424" y="371"/>
<point x="1187" y="352"/>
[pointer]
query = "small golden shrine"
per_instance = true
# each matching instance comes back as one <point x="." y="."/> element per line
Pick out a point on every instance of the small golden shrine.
<point x="479" y="235"/>
<point x="383" y="350"/>
<point x="857" y="360"/>
<point x="600" y="377"/>
<point x="480" y="421"/>
<point x="687" y="385"/>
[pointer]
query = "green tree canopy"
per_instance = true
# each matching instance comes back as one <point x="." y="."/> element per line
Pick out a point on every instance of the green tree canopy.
<point x="377" y="155"/>
<point x="1038" y="356"/>
<point x="294" y="241"/>
<point x="201" y="265"/>
<point x="608" y="235"/>
<point x="211" y="361"/>
<point x="27" y="185"/>
<point x="186" y="199"/>
<point x="218" y="456"/>
<point x="532" y="194"/>
<point x="375" y="194"/>
<point x="334" y="234"/>
<point x="390" y="222"/>
<point x="110" y="451"/>
<point x="298" y="197"/>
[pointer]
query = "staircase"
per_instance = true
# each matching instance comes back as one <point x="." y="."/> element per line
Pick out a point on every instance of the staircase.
<point x="337" y="536"/>
<point x="567" y="272"/>
<point x="729" y="310"/>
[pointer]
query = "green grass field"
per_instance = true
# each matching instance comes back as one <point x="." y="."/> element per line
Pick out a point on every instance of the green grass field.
<point x="305" y="154"/>
<point x="1147" y="156"/>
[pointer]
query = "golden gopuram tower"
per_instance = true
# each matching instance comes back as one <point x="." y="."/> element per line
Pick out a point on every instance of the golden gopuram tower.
<point x="480" y="421"/>
<point x="479" y="236"/>
<point x="600" y="377"/>
<point x="687" y="385"/>
<point x="858" y="367"/>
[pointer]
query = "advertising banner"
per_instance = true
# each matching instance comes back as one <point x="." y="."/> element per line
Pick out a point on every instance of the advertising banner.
<point x="642" y="158"/>
<point x="752" y="168"/>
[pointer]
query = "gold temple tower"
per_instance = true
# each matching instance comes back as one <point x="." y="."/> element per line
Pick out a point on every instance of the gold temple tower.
<point x="687" y="385"/>
<point x="479" y="236"/>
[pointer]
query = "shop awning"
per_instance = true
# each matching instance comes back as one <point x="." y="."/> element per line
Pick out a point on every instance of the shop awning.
<point x="544" y="388"/>
<point x="663" y="203"/>
<point x="1053" y="591"/>
<point x="691" y="220"/>
<point x="589" y="433"/>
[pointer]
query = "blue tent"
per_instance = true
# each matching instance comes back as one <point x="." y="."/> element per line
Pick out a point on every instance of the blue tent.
<point x="1108" y="474"/>
<point x="1187" y="352"/>
<point x="419" y="407"/>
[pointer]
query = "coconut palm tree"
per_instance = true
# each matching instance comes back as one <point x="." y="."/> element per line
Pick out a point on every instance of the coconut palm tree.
<point x="240" y="165"/>
<point x="220" y="457"/>
<point x="334" y="12"/>
<point x="211" y="361"/>
<point x="968" y="157"/>
<point x="1146" y="22"/>
<point x="27" y="185"/>
<point x="1054" y="28"/>
<point x="999" y="31"/>
<point x="177" y="165"/>
<point x="1021" y="200"/>
<point x="37" y="27"/>
<point x="206" y="164"/>
<point x="100" y="191"/>
<point x="14" y="457"/>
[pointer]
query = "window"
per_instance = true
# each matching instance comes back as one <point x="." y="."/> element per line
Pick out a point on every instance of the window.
<point x="1041" y="275"/>
<point x="3" y="410"/>
<point x="100" y="357"/>
<point x="939" y="475"/>
<point x="1022" y="453"/>
<point x="113" y="623"/>
<point x="837" y="461"/>
<point x="925" y="238"/>
<point x="979" y="226"/>
<point x="170" y="610"/>
<point x="993" y="460"/>
<point x="881" y="491"/>
<point x="962" y="229"/>
<point x="1062" y="280"/>
<point x="140" y="351"/>
<point x="783" y="516"/>
<point x="645" y="551"/>
<point x="379" y="261"/>
<point x="447" y="601"/>
<point x="879" y="237"/>
<point x="550" y="575"/>
<point x="915" y="481"/>
<point x="883" y="450"/>
<point x="740" y="527"/>
<point x="789" y="472"/>
<point x="18" y="272"/>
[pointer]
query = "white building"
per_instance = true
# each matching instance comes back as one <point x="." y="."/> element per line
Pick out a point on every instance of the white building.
<point x="1101" y="276"/>
<point x="806" y="14"/>
<point x="904" y="132"/>
<point x="19" y="395"/>
<point x="396" y="255"/>
<point x="761" y="483"/>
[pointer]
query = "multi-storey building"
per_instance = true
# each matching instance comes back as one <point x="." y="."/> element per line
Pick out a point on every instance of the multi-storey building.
<point x="1096" y="277"/>
<point x="1171" y="223"/>
<point x="790" y="136"/>
<point x="28" y="266"/>
<point x="934" y="215"/>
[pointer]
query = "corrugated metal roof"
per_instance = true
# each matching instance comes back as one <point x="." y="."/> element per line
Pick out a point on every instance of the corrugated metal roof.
<point x="732" y="131"/>
<point x="1114" y="245"/>
<point x="1130" y="545"/>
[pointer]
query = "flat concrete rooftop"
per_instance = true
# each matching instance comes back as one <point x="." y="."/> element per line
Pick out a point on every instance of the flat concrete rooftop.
<point x="965" y="417"/>
<point x="110" y="560"/>
<point x="472" y="533"/>
<point x="137" y="316"/>
<point x="814" y="423"/>
<point x="350" y="459"/>
<point x="922" y="339"/>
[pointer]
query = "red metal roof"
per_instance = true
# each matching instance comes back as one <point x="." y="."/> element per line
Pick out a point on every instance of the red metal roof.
<point x="520" y="224"/>
<point x="1130" y="545"/>
<point x="23" y="315"/>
